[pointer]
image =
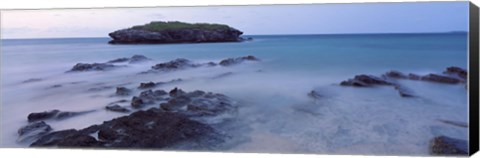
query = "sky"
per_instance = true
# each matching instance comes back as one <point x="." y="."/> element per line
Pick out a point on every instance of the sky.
<point x="420" y="17"/>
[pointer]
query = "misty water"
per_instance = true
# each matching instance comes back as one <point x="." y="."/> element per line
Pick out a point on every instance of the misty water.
<point x="275" y="113"/>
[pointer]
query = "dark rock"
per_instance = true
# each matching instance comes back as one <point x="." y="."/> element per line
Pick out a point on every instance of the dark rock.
<point x="122" y="91"/>
<point x="137" y="102"/>
<point x="142" y="129"/>
<point x="138" y="58"/>
<point x="159" y="92"/>
<point x="119" y="60"/>
<point x="233" y="61"/>
<point x="414" y="76"/>
<point x="176" y="103"/>
<point x="169" y="82"/>
<point x="208" y="107"/>
<point x="176" y="92"/>
<point x="365" y="81"/>
<point x="441" y="79"/>
<point x="92" y="67"/>
<point x="140" y="35"/>
<point x="211" y="64"/>
<point x="443" y="145"/>
<point x="32" y="80"/>
<point x="56" y="86"/>
<point x="67" y="138"/>
<point x="395" y="74"/>
<point x="462" y="73"/>
<point x="196" y="93"/>
<point x="101" y="88"/>
<point x="146" y="85"/>
<point x="42" y="115"/>
<point x="176" y="64"/>
<point x="33" y="130"/>
<point x="117" y="108"/>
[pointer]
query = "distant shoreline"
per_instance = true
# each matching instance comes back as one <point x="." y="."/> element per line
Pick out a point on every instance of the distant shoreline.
<point x="270" y="35"/>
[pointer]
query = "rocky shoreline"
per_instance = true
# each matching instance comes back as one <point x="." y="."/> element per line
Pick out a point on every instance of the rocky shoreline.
<point x="156" y="118"/>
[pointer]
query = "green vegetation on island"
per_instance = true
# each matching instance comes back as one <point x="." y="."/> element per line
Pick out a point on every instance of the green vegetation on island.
<point x="176" y="25"/>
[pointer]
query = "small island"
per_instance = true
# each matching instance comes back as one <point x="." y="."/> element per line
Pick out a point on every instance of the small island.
<point x="159" y="32"/>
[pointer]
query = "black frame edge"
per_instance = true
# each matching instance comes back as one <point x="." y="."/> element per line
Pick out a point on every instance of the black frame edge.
<point x="473" y="79"/>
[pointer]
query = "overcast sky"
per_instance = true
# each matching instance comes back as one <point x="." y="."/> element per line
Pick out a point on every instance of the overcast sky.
<point x="252" y="20"/>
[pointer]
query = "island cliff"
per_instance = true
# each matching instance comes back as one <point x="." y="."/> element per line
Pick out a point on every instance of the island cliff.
<point x="175" y="32"/>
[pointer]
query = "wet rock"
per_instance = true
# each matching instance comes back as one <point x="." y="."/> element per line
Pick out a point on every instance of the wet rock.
<point x="119" y="60"/>
<point x="460" y="72"/>
<point x="146" y="85"/>
<point x="54" y="114"/>
<point x="32" y="80"/>
<point x="175" y="103"/>
<point x="67" y="138"/>
<point x="42" y="115"/>
<point x="122" y="91"/>
<point x="233" y="61"/>
<point x="196" y="93"/>
<point x="443" y="145"/>
<point x="395" y="74"/>
<point x="33" y="130"/>
<point x="176" y="92"/>
<point x="179" y="63"/>
<point x="441" y="79"/>
<point x="208" y="107"/>
<point x="169" y="82"/>
<point x="365" y="81"/>
<point x="137" y="102"/>
<point x="211" y="64"/>
<point x="138" y="58"/>
<point x="142" y="129"/>
<point x="414" y="76"/>
<point x="117" y="108"/>
<point x="92" y="67"/>
<point x="159" y="93"/>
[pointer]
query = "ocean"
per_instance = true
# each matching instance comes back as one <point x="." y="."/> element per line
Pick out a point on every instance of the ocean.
<point x="275" y="113"/>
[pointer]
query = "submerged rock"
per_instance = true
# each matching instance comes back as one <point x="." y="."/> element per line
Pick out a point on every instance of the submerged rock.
<point x="32" y="80"/>
<point x="117" y="108"/>
<point x="233" y="61"/>
<point x="443" y="145"/>
<point x="131" y="60"/>
<point x="179" y="63"/>
<point x="142" y="129"/>
<point x="441" y="79"/>
<point x="33" y="130"/>
<point x="454" y="123"/>
<point x="122" y="91"/>
<point x="137" y="102"/>
<point x="146" y="85"/>
<point x="91" y="67"/>
<point x="404" y="92"/>
<point x="314" y="94"/>
<point x="365" y="81"/>
<point x="54" y="114"/>
<point x="395" y="74"/>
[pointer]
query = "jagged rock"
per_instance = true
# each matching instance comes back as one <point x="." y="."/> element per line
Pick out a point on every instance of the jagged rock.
<point x="176" y="92"/>
<point x="117" y="108"/>
<point x="179" y="63"/>
<point x="233" y="61"/>
<point x="142" y="129"/>
<point x="441" y="79"/>
<point x="460" y="72"/>
<point x="395" y="74"/>
<point x="33" y="130"/>
<point x="188" y="33"/>
<point x="159" y="92"/>
<point x="54" y="114"/>
<point x="365" y="81"/>
<point x="119" y="60"/>
<point x="175" y="103"/>
<point x="443" y="145"/>
<point x="137" y="102"/>
<point x="122" y="91"/>
<point x="138" y="58"/>
<point x="91" y="67"/>
<point x="147" y="85"/>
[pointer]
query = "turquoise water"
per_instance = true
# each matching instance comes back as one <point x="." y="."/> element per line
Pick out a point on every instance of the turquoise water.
<point x="347" y="121"/>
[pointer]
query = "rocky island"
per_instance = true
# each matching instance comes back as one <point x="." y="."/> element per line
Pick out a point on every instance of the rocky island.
<point x="159" y="32"/>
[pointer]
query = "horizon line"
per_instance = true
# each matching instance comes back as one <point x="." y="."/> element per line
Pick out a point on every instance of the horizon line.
<point x="374" y="33"/>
